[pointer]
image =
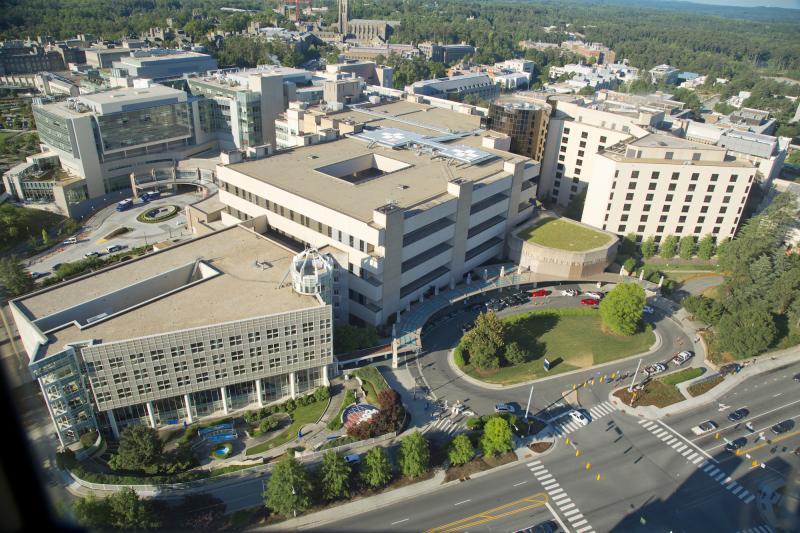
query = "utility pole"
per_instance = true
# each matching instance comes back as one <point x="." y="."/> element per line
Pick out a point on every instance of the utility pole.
<point x="528" y="413"/>
<point x="630" y="389"/>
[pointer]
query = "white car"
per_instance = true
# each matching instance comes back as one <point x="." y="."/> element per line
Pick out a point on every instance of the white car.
<point x="682" y="357"/>
<point x="71" y="240"/>
<point x="504" y="408"/>
<point x="656" y="368"/>
<point x="569" y="292"/>
<point x="595" y="295"/>
<point x="580" y="418"/>
<point x="647" y="309"/>
<point x="705" y="427"/>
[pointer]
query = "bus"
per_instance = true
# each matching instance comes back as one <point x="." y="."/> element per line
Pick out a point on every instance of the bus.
<point x="125" y="204"/>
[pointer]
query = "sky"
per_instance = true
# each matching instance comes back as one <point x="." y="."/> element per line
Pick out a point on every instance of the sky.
<point x="792" y="4"/>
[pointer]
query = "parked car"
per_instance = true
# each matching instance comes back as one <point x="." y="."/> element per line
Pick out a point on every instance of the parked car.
<point x="71" y="240"/>
<point x="647" y="310"/>
<point x="736" y="444"/>
<point x="705" y="427"/>
<point x="596" y="295"/>
<point x="797" y="378"/>
<point x="682" y="357"/>
<point x="504" y="408"/>
<point x="115" y="248"/>
<point x="92" y="254"/>
<point x="353" y="458"/>
<point x="540" y="292"/>
<point x="549" y="526"/>
<point x="731" y="368"/>
<point x="37" y="275"/>
<point x="656" y="368"/>
<point x="569" y="292"/>
<point x="782" y="427"/>
<point x="590" y="301"/>
<point x="577" y="416"/>
<point x="738" y="414"/>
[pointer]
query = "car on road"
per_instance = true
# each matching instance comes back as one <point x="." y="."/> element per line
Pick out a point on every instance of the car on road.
<point x="37" y="275"/>
<point x="577" y="416"/>
<point x="549" y="526"/>
<point x="682" y="357"/>
<point x="569" y="292"/>
<point x="353" y="458"/>
<point x="647" y="310"/>
<point x="504" y="408"/>
<point x="92" y="254"/>
<point x="736" y="444"/>
<point x="540" y="292"/>
<point x="704" y="427"/>
<point x="656" y="368"/>
<point x="115" y="248"/>
<point x="738" y="414"/>
<point x="596" y="295"/>
<point x="590" y="301"/>
<point x="71" y="240"/>
<point x="797" y="378"/>
<point x="782" y="427"/>
<point x="731" y="368"/>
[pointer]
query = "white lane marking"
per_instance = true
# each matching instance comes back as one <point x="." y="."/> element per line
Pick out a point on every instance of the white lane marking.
<point x="751" y="418"/>
<point x="534" y="463"/>
<point x="583" y="529"/>
<point x="465" y="501"/>
<point x="555" y="515"/>
<point x="690" y="443"/>
<point x="576" y="524"/>
<point x="557" y="491"/>
<point x="400" y="521"/>
<point x="520" y="483"/>
<point x="749" y="499"/>
<point x="572" y="512"/>
<point x="566" y="506"/>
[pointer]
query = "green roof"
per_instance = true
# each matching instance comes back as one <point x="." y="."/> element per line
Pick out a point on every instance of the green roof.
<point x="564" y="235"/>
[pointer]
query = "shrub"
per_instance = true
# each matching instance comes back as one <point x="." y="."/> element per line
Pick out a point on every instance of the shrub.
<point x="268" y="424"/>
<point x="458" y="356"/>
<point x="322" y="393"/>
<point x="89" y="438"/>
<point x="474" y="423"/>
<point x="629" y="264"/>
<point x="514" y="354"/>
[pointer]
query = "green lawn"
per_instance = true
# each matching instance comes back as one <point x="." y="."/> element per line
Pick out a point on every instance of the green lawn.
<point x="300" y="417"/>
<point x="5" y="135"/>
<point x="336" y="422"/>
<point x="682" y="375"/>
<point x="564" y="235"/>
<point x="373" y="382"/>
<point x="569" y="338"/>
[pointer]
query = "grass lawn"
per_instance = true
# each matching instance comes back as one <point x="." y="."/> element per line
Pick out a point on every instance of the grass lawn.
<point x="664" y="267"/>
<point x="680" y="277"/>
<point x="300" y="417"/>
<point x="682" y="375"/>
<point x="336" y="422"/>
<point x="373" y="382"/>
<point x="563" y="235"/>
<point x="569" y="338"/>
<point x="656" y="393"/>
<point x="699" y="388"/>
<point x="5" y="135"/>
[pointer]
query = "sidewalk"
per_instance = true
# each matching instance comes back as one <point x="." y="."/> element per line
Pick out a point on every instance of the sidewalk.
<point x="764" y="363"/>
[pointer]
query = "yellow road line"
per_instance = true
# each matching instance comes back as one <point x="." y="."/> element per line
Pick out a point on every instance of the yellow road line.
<point x="535" y="500"/>
<point x="773" y="441"/>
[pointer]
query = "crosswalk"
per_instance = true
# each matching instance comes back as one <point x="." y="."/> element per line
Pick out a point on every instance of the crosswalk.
<point x="601" y="410"/>
<point x="707" y="466"/>
<point x="564" y="425"/>
<point x="757" y="529"/>
<point x="568" y="509"/>
<point x="444" y="425"/>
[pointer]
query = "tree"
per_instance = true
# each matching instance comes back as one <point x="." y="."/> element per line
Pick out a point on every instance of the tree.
<point x="514" y="353"/>
<point x="669" y="247"/>
<point x="746" y="331"/>
<point x="622" y="308"/>
<point x="497" y="436"/>
<point x="706" y="247"/>
<point x="289" y="488"/>
<point x="687" y="247"/>
<point x="703" y="309"/>
<point x="91" y="511"/>
<point x="335" y="476"/>
<point x="349" y="338"/>
<point x="586" y="91"/>
<point x="461" y="450"/>
<point x="376" y="471"/>
<point x="575" y="208"/>
<point x="649" y="247"/>
<point x="484" y="340"/>
<point x="14" y="278"/>
<point x="128" y="511"/>
<point x="139" y="449"/>
<point x="414" y="455"/>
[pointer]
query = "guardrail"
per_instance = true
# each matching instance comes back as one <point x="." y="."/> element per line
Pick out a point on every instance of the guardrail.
<point x="310" y="455"/>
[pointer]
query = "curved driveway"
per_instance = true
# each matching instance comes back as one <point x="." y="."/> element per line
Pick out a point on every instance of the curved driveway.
<point x="446" y="384"/>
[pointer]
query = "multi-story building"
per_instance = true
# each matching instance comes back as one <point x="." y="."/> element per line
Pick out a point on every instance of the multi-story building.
<point x="664" y="74"/>
<point x="601" y="53"/>
<point x="574" y="134"/>
<point x="446" y="53"/>
<point x="406" y="206"/>
<point x="370" y="53"/>
<point x="517" y="65"/>
<point x="216" y="324"/>
<point x="160" y="64"/>
<point x="17" y="57"/>
<point x="661" y="185"/>
<point x="457" y="87"/>
<point x="372" y="73"/>
<point x="524" y="120"/>
<point x="105" y="57"/>
<point x="101" y="138"/>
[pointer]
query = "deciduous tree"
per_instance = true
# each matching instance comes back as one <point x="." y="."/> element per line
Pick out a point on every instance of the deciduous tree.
<point x="460" y="450"/>
<point x="414" y="455"/>
<point x="706" y="247"/>
<point x="622" y="308"/>
<point x="289" y="488"/>
<point x="139" y="449"/>
<point x="497" y="436"/>
<point x="335" y="476"/>
<point x="376" y="471"/>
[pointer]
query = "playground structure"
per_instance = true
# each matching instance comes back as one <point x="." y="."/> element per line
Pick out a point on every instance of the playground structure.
<point x="218" y="433"/>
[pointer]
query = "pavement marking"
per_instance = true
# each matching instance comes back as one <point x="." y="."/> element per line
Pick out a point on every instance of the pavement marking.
<point x="501" y="511"/>
<point x="671" y="440"/>
<point x="751" y="418"/>
<point x="520" y="483"/>
<point x="572" y="512"/>
<point x="749" y="498"/>
<point x="465" y="501"/>
<point x="646" y="423"/>
<point x="559" y="498"/>
<point x="771" y="442"/>
<point x="690" y="443"/>
<point x="583" y="529"/>
<point x="550" y="484"/>
<point x="697" y="460"/>
<point x="738" y="490"/>
<point x="534" y="463"/>
<point x="545" y="477"/>
<point x="400" y="521"/>
<point x="679" y="446"/>
<point x="555" y="515"/>
<point x="566" y="506"/>
<point x="553" y="493"/>
<point x="580" y="523"/>
<point x="719" y="476"/>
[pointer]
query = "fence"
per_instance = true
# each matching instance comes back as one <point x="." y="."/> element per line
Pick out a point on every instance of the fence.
<point x="311" y="455"/>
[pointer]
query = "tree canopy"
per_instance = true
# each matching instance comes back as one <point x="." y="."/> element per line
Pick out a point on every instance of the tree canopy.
<point x="289" y="489"/>
<point x="140" y="449"/>
<point x="622" y="308"/>
<point x="414" y="455"/>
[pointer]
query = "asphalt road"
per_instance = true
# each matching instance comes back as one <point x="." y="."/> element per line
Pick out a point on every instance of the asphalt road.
<point x="445" y="384"/>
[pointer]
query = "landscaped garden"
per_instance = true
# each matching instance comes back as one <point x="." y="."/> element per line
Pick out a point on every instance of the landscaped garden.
<point x="655" y="393"/>
<point x="564" y="235"/>
<point x="569" y="338"/>
<point x="304" y="410"/>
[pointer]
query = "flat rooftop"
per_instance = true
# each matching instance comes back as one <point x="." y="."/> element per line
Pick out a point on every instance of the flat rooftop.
<point x="669" y="141"/>
<point x="409" y="177"/>
<point x="244" y="273"/>
<point x="562" y="234"/>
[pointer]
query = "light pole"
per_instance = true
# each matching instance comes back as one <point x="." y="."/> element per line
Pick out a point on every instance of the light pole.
<point x="528" y="412"/>
<point x="630" y="389"/>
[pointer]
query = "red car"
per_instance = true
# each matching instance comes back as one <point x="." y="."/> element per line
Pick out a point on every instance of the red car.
<point x="590" y="301"/>
<point x="540" y="292"/>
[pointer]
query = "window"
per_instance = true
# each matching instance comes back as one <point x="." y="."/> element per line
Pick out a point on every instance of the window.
<point x="623" y="218"/>
<point x="201" y="363"/>
<point x="676" y="175"/>
<point x="272" y="333"/>
<point x="652" y="186"/>
<point x="701" y="219"/>
<point x="649" y="197"/>
<point x="254" y="337"/>
<point x="723" y="209"/>
<point x="274" y="362"/>
<point x="631" y="185"/>
<point x="602" y="139"/>
<point x="626" y="207"/>
<point x="309" y="341"/>
<point x="660" y="229"/>
<point x="704" y="209"/>
<point x="646" y="207"/>
<point x="584" y="135"/>
<point x="679" y="229"/>
<point x="562" y="157"/>
<point x="237" y="355"/>
<point x="671" y="187"/>
<point x="578" y="171"/>
<point x="255" y="351"/>
<point x="714" y="177"/>
<point x="290" y="330"/>
<point x="640" y="229"/>
<point x="629" y="196"/>
<point x="180" y="366"/>
<point x="692" y="187"/>
<point x="140" y="374"/>
<point x="144" y="388"/>
<point x="715" y="230"/>
<point x="236" y="340"/>
<point x="273" y="348"/>
<point x="564" y="140"/>
<point x="308" y="327"/>
<point x="634" y="174"/>
<point x="643" y="218"/>
<point x="669" y="197"/>
<point x="688" y="198"/>
<point x="120" y="378"/>
<point x="668" y="155"/>
<point x="695" y="176"/>
<point x="115" y="362"/>
<point x="582" y="144"/>
<point x="220" y="373"/>
<point x="216" y="344"/>
<point x="707" y="199"/>
<point x="654" y="175"/>
<point x="137" y="358"/>
<point x="124" y="393"/>
<point x="200" y="378"/>
<point x="685" y="209"/>
<point x="183" y="380"/>
<point x="257" y="366"/>
<point x="563" y="148"/>
<point x="719" y="220"/>
<point x="729" y="188"/>
<point x="218" y="359"/>
<point x="580" y="153"/>
<point x="621" y="228"/>
<point x="727" y="199"/>
<point x="566" y="131"/>
<point x="160" y="370"/>
<point x="291" y="345"/>
<point x="695" y="156"/>
<point x="238" y="370"/>
<point x="698" y="229"/>
<point x="681" y="219"/>
<point x="164" y="385"/>
<point x="196" y="347"/>
<point x="663" y="218"/>
<point x="710" y="188"/>
<point x="177" y="351"/>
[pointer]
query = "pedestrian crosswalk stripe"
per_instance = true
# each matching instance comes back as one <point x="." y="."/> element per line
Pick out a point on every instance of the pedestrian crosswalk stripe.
<point x="697" y="460"/>
<point x="679" y="447"/>
<point x="572" y="512"/>
<point x="719" y="476"/>
<point x="544" y="478"/>
<point x="566" y="506"/>
<point x="575" y="518"/>
<point x="692" y="455"/>
<point x="750" y="499"/>
<point x="552" y="487"/>
<point x="744" y="494"/>
<point x="687" y="452"/>
<point x="659" y="432"/>
<point x="646" y="423"/>
<point x="561" y="499"/>
<point x="708" y="468"/>
<point x="534" y="463"/>
<point x="576" y="524"/>
<point x="537" y="468"/>
<point x="549" y="483"/>
<point x="737" y="490"/>
<point x="584" y="529"/>
<point x="557" y="491"/>
<point x="671" y="440"/>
